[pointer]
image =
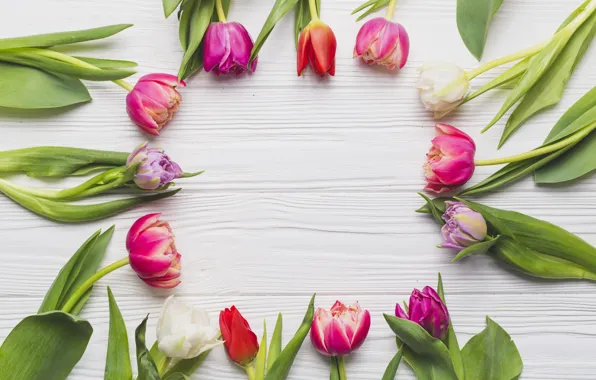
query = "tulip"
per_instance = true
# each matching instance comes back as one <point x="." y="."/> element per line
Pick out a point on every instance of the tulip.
<point x="442" y="87"/>
<point x="185" y="332"/>
<point x="152" y="252"/>
<point x="317" y="45"/>
<point x="156" y="169"/>
<point x="465" y="227"/>
<point x="450" y="160"/>
<point x="153" y="101"/>
<point x="240" y="341"/>
<point x="427" y="310"/>
<point x="227" y="48"/>
<point x="383" y="42"/>
<point x="340" y="330"/>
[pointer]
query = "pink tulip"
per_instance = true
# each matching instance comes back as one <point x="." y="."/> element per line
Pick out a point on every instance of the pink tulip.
<point x="152" y="253"/>
<point x="153" y="101"/>
<point x="227" y="49"/>
<point x="450" y="161"/>
<point x="427" y="309"/>
<point x="383" y="42"/>
<point x="340" y="330"/>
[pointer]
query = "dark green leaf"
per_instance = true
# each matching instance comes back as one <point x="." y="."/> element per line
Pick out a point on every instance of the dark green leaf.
<point x="44" y="346"/>
<point x="436" y="207"/>
<point x="261" y="359"/>
<point x="280" y="9"/>
<point x="491" y="355"/>
<point x="107" y="63"/>
<point x="185" y="15"/>
<point x="169" y="6"/>
<point x="428" y="357"/>
<point x="391" y="369"/>
<point x="473" y="22"/>
<point x="275" y="345"/>
<point x="200" y="18"/>
<point x="451" y="340"/>
<point x="146" y="367"/>
<point x="117" y="360"/>
<point x="572" y="165"/>
<point x="476" y="249"/>
<point x="281" y="367"/>
<point x="30" y="88"/>
<point x="62" y="38"/>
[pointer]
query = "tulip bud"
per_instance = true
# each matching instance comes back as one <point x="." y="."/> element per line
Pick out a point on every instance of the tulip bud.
<point x="185" y="332"/>
<point x="427" y="310"/>
<point x="153" y="101"/>
<point x="450" y="160"/>
<point x="383" y="42"/>
<point x="156" y="169"/>
<point x="340" y="330"/>
<point x="465" y="227"/>
<point x="152" y="253"/>
<point x="227" y="49"/>
<point x="240" y="341"/>
<point x="442" y="87"/>
<point x="317" y="45"/>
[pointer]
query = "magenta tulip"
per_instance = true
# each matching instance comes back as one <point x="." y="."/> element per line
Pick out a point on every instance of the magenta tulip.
<point x="450" y="160"/>
<point x="152" y="252"/>
<point x="156" y="168"/>
<point x="427" y="310"/>
<point x="464" y="227"/>
<point x="383" y="42"/>
<point x="153" y="101"/>
<point x="340" y="330"/>
<point x="227" y="49"/>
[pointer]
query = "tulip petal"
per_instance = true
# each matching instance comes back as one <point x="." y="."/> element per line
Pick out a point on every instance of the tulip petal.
<point x="404" y="46"/>
<point x="137" y="113"/>
<point x="336" y="340"/>
<point x="387" y="41"/>
<point x="241" y="44"/>
<point x="446" y="129"/>
<point x="166" y="79"/>
<point x="304" y="46"/>
<point x="454" y="170"/>
<point x="139" y="226"/>
<point x="361" y="330"/>
<point x="400" y="313"/>
<point x="217" y="46"/>
<point x="324" y="45"/>
<point x="317" y="335"/>
<point x="170" y="284"/>
<point x="369" y="33"/>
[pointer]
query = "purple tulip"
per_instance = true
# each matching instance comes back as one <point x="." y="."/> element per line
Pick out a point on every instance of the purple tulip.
<point x="383" y="42"/>
<point x="156" y="168"/>
<point x="427" y="310"/>
<point x="227" y="49"/>
<point x="465" y="227"/>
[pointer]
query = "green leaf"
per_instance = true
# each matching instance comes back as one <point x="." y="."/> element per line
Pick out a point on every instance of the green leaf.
<point x="473" y="21"/>
<point x="451" y="340"/>
<point x="169" y="6"/>
<point x="261" y="360"/>
<point x="281" y="367"/>
<point x="548" y="90"/>
<point x="158" y="357"/>
<point x="302" y="17"/>
<point x="279" y="10"/>
<point x="491" y="355"/>
<point x="391" y="369"/>
<point x="146" y="367"/>
<point x="187" y="366"/>
<point x="509" y="76"/>
<point x="476" y="249"/>
<point x="118" y="360"/>
<point x="30" y="88"/>
<point x="580" y="115"/>
<point x="428" y="357"/>
<point x="372" y="5"/>
<point x="76" y="213"/>
<point x="62" y="38"/>
<point x="44" y="346"/>
<point x="53" y="161"/>
<point x="196" y="26"/>
<point x="107" y="63"/>
<point x="275" y="345"/>
<point x="436" y="207"/>
<point x="177" y="376"/>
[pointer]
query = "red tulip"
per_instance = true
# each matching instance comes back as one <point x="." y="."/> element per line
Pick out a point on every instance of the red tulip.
<point x="317" y="45"/>
<point x="240" y="341"/>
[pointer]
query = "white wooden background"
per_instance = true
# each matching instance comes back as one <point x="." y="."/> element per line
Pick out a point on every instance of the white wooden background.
<point x="310" y="187"/>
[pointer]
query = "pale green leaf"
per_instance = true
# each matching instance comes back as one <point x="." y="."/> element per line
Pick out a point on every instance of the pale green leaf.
<point x="117" y="360"/>
<point x="107" y="63"/>
<point x="572" y="165"/>
<point x="451" y="339"/>
<point x="509" y="76"/>
<point x="476" y="249"/>
<point x="261" y="360"/>
<point x="200" y="18"/>
<point x="275" y="345"/>
<point x="169" y="6"/>
<point x="473" y="22"/>
<point x="279" y="10"/>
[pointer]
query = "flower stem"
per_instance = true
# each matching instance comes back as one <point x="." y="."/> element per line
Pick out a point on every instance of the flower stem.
<point x="342" y="368"/>
<point x="221" y="15"/>
<point x="250" y="371"/>
<point x="574" y="138"/>
<point x="391" y="9"/>
<point x="312" y="5"/>
<point x="72" y="301"/>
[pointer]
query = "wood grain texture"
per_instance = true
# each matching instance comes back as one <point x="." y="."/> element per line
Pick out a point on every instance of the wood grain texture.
<point x="310" y="187"/>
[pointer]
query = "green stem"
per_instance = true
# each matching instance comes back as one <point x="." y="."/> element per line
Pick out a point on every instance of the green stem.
<point x="72" y="301"/>
<point x="221" y="15"/>
<point x="574" y="138"/>
<point x="312" y="5"/>
<point x="77" y="62"/>
<point x="164" y="366"/>
<point x="342" y="368"/>
<point x="250" y="371"/>
<point x="391" y="9"/>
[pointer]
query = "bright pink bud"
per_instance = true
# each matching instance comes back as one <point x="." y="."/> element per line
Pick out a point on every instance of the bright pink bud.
<point x="227" y="48"/>
<point x="427" y="309"/>
<point x="153" y="101"/>
<point x="152" y="253"/>
<point x="383" y="42"/>
<point x="340" y="330"/>
<point x="450" y="161"/>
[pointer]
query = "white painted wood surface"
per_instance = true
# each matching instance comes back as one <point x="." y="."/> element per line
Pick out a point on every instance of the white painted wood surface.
<point x="310" y="187"/>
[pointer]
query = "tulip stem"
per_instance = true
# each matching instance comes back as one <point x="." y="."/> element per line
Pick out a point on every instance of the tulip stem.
<point x="312" y="5"/>
<point x="572" y="139"/>
<point x="341" y="366"/>
<point x="250" y="371"/>
<point x="391" y="9"/>
<point x="72" y="301"/>
<point x="221" y="15"/>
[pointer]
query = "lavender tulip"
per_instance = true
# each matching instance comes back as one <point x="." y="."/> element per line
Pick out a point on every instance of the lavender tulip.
<point x="156" y="169"/>
<point x="427" y="310"/>
<point x="465" y="227"/>
<point x="227" y="49"/>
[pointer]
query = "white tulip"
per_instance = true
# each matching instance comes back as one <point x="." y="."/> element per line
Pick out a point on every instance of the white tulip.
<point x="442" y="86"/>
<point x="184" y="332"/>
